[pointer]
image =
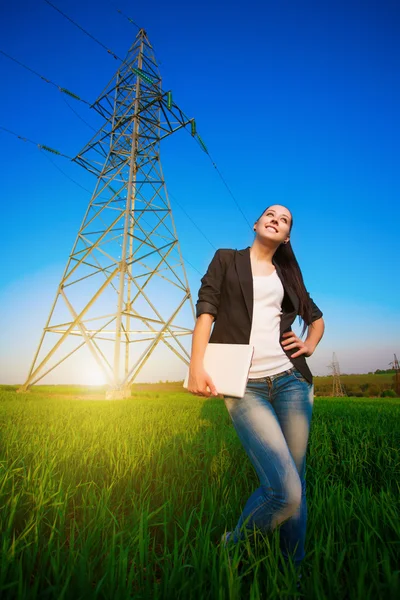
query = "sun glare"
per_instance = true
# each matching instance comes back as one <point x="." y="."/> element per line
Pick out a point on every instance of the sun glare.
<point x="95" y="377"/>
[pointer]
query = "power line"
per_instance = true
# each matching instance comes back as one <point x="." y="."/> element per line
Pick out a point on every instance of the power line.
<point x="113" y="54"/>
<point x="230" y="191"/>
<point x="53" y="151"/>
<point x="65" y="174"/>
<point x="84" y="31"/>
<point x="41" y="146"/>
<point x="205" y="149"/>
<point x="95" y="39"/>
<point x="65" y="91"/>
<point x="195" y="224"/>
<point x="124" y="15"/>
<point x="89" y="191"/>
<point x="195" y="135"/>
<point x="79" y="116"/>
<point x="136" y="25"/>
<point x="61" y="89"/>
<point x="169" y="193"/>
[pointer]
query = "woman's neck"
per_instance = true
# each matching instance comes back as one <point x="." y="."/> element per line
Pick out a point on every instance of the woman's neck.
<point x="261" y="253"/>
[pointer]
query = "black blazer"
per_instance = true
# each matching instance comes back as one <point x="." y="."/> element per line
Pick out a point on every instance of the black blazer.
<point x="227" y="294"/>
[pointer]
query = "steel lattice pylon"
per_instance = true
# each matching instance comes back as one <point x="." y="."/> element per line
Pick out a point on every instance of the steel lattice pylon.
<point x="338" y="389"/>
<point x="127" y="240"/>
<point x="396" y="377"/>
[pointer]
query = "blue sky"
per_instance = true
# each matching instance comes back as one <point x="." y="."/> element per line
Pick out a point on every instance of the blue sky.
<point x="298" y="105"/>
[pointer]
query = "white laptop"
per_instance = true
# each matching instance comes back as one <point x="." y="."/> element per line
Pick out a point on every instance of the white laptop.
<point x="228" y="366"/>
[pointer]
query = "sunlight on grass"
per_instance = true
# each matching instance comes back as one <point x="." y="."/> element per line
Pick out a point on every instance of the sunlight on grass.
<point x="129" y="498"/>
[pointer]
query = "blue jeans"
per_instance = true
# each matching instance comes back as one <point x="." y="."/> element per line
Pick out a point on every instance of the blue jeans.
<point x="273" y="421"/>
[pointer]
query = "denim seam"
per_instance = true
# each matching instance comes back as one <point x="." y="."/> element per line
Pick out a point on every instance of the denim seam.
<point x="255" y="458"/>
<point x="253" y="512"/>
<point x="251" y="515"/>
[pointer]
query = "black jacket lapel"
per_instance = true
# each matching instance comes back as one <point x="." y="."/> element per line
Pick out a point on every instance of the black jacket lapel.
<point x="243" y="268"/>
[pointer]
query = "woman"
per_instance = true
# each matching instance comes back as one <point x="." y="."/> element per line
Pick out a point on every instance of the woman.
<point x="254" y="295"/>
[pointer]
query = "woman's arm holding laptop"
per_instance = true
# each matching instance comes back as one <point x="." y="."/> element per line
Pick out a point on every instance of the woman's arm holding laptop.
<point x="206" y="312"/>
<point x="199" y="379"/>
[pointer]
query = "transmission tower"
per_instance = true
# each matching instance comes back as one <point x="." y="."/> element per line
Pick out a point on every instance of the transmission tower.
<point x="337" y="385"/>
<point x="125" y="280"/>
<point x="396" y="378"/>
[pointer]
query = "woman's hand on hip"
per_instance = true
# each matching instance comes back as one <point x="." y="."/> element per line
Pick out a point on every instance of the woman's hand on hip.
<point x="292" y="341"/>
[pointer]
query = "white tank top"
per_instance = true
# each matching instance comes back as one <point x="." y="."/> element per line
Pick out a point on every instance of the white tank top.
<point x="269" y="357"/>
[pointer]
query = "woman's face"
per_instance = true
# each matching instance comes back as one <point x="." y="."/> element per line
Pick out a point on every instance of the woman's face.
<point x="274" y="224"/>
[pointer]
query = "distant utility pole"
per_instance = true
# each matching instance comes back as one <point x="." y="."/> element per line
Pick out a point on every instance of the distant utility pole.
<point x="396" y="378"/>
<point x="337" y="385"/>
<point x="125" y="282"/>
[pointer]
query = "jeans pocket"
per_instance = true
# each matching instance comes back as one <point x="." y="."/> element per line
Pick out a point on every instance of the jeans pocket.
<point x="297" y="375"/>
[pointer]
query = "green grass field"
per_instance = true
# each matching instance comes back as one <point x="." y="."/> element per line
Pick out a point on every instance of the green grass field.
<point x="129" y="498"/>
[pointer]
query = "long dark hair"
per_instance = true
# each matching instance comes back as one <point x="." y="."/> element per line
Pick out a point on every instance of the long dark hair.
<point x="285" y="259"/>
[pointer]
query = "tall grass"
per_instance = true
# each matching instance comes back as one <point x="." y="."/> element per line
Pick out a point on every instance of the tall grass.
<point x="129" y="499"/>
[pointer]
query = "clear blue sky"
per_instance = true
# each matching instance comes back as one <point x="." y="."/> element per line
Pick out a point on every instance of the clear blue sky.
<point x="298" y="103"/>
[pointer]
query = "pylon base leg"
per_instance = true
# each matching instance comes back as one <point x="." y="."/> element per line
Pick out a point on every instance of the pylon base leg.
<point x="118" y="394"/>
